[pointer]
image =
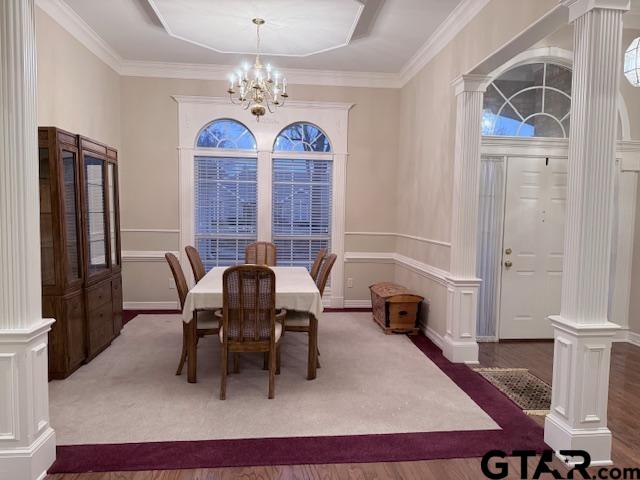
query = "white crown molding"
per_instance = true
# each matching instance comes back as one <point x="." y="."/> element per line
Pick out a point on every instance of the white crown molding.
<point x="64" y="15"/>
<point x="446" y="32"/>
<point x="81" y="31"/>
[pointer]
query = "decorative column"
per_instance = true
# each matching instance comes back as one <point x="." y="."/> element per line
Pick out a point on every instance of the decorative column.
<point x="583" y="334"/>
<point x="27" y="442"/>
<point x="463" y="285"/>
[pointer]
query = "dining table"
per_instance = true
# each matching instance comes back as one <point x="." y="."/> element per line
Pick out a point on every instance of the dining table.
<point x="295" y="290"/>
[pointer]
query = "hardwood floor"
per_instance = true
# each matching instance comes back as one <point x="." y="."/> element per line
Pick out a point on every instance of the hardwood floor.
<point x="624" y="422"/>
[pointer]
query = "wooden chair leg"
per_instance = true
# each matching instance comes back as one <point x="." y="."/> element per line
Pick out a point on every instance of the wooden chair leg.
<point x="313" y="347"/>
<point x="278" y="359"/>
<point x="272" y="373"/>
<point x="223" y="372"/>
<point x="183" y="356"/>
<point x="236" y="363"/>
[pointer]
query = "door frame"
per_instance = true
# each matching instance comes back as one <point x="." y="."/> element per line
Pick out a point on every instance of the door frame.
<point x="628" y="167"/>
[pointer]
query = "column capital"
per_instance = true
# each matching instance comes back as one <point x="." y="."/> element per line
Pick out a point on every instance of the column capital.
<point x="471" y="83"/>
<point x="577" y="8"/>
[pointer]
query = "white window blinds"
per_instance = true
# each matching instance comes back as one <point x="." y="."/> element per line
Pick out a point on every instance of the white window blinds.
<point x="225" y="208"/>
<point x="302" y="190"/>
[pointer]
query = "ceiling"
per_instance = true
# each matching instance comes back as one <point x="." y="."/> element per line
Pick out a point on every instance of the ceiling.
<point x="378" y="36"/>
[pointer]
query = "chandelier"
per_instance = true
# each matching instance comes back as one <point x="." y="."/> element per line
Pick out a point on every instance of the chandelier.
<point x="258" y="89"/>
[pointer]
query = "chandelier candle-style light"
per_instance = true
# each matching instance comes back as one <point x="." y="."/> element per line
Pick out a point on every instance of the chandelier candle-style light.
<point x="259" y="88"/>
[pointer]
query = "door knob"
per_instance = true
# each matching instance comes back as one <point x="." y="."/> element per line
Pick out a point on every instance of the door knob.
<point x="508" y="264"/>
<point x="508" y="251"/>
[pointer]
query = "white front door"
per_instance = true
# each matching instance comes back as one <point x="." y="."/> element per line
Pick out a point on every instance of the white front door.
<point x="535" y="207"/>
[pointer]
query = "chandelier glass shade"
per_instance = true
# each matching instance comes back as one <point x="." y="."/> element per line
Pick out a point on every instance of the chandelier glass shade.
<point x="259" y="89"/>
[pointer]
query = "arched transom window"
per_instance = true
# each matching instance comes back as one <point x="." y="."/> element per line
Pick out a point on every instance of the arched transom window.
<point x="532" y="100"/>
<point x="226" y="133"/>
<point x="302" y="137"/>
<point x="302" y="193"/>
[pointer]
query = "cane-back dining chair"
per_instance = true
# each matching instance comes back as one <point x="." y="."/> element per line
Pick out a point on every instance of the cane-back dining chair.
<point x="206" y="323"/>
<point x="197" y="267"/>
<point x="296" y="321"/>
<point x="260" y="253"/>
<point x="315" y="268"/>
<point x="249" y="320"/>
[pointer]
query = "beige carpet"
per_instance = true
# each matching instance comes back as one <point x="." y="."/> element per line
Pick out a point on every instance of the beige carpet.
<point x="369" y="383"/>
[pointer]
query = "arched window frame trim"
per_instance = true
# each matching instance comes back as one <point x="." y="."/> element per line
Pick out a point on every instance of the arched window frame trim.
<point x="302" y="122"/>
<point x="195" y="112"/>
<point x="253" y="150"/>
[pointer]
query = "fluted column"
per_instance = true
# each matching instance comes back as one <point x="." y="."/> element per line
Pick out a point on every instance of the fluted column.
<point x="583" y="334"/>
<point x="27" y="442"/>
<point x="462" y="284"/>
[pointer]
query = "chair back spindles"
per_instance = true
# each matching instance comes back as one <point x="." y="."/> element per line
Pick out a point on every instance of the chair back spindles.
<point x="261" y="253"/>
<point x="249" y="303"/>
<point x="178" y="277"/>
<point x="196" y="263"/>
<point x="325" y="271"/>
<point x="315" y="268"/>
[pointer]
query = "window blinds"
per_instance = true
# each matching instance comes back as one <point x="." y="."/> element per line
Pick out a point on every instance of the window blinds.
<point x="225" y="208"/>
<point x="302" y="192"/>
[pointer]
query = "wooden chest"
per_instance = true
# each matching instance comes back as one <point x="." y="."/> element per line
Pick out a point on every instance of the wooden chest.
<point x="395" y="308"/>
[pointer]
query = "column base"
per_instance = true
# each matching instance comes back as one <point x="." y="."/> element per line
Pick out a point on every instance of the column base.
<point x="578" y="417"/>
<point x="30" y="463"/>
<point x="460" y="344"/>
<point x="596" y="441"/>
<point x="460" y="351"/>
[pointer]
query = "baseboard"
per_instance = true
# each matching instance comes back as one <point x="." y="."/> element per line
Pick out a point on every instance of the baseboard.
<point x="29" y="463"/>
<point x="633" y="338"/>
<point x="357" y="304"/>
<point x="150" y="305"/>
<point x="434" y="336"/>
<point x="487" y="339"/>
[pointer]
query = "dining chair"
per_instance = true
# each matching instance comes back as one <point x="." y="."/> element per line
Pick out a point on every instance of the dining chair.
<point x="315" y="268"/>
<point x="296" y="321"/>
<point x="260" y="253"/>
<point x="249" y="320"/>
<point x="206" y="323"/>
<point x="196" y="262"/>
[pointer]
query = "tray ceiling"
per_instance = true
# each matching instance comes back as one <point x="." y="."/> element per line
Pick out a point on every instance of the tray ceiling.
<point x="295" y="28"/>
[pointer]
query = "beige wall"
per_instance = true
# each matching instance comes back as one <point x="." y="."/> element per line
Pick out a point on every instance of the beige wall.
<point x="149" y="175"/>
<point x="427" y="139"/>
<point x="76" y="90"/>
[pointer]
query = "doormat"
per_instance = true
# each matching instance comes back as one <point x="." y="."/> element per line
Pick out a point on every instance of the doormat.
<point x="530" y="393"/>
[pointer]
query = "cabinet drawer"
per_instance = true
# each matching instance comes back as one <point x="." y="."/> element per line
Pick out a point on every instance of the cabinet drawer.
<point x="98" y="295"/>
<point x="100" y="325"/>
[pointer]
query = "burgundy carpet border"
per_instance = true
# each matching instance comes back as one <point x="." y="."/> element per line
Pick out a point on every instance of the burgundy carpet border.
<point x="519" y="432"/>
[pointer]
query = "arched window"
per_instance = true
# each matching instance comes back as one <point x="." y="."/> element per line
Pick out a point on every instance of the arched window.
<point x="226" y="186"/>
<point x="302" y="193"/>
<point x="226" y="133"/>
<point x="532" y="100"/>
<point x="302" y="137"/>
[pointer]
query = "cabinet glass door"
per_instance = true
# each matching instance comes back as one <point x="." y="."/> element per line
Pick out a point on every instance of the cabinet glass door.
<point x="47" y="254"/>
<point x="70" y="199"/>
<point x="96" y="228"/>
<point x="111" y="191"/>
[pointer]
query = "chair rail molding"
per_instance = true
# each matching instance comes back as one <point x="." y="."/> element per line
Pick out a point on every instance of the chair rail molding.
<point x="583" y="334"/>
<point x="27" y="441"/>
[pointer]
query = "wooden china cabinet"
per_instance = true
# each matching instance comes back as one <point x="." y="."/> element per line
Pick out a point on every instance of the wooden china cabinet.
<point x="80" y="247"/>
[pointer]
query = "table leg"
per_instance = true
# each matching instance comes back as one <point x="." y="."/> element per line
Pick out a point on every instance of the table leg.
<point x="192" y="358"/>
<point x="313" y="347"/>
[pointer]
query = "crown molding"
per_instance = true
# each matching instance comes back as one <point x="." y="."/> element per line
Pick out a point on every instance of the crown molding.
<point x="446" y="32"/>
<point x="64" y="15"/>
<point x="295" y="76"/>
<point x="290" y="103"/>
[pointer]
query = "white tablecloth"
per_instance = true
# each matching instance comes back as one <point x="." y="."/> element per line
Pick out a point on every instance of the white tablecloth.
<point x="295" y="290"/>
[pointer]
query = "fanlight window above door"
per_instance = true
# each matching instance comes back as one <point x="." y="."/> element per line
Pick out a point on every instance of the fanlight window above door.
<point x="532" y="100"/>
<point x="228" y="134"/>
<point x="302" y="137"/>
